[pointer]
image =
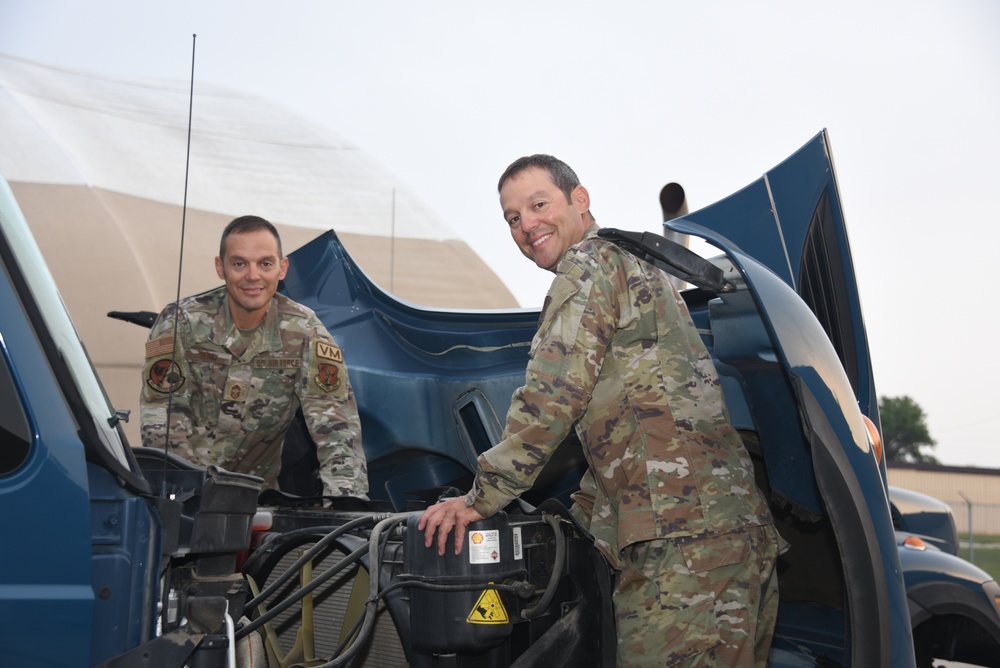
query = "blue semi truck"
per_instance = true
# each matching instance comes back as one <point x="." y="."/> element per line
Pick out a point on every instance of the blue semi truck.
<point x="114" y="555"/>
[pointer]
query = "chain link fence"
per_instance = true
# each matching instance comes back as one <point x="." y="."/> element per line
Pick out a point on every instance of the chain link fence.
<point x="982" y="518"/>
<point x="973" y="494"/>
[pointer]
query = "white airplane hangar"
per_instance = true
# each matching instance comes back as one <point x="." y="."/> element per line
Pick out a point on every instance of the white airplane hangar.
<point x="97" y="165"/>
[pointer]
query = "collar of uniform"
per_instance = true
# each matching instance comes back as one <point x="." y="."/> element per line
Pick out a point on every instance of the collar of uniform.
<point x="224" y="330"/>
<point x="590" y="232"/>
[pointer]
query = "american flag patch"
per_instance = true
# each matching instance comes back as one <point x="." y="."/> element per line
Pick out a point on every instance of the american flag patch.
<point x="161" y="346"/>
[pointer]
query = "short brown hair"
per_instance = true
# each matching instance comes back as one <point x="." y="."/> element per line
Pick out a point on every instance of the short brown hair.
<point x="245" y="224"/>
<point x="561" y="174"/>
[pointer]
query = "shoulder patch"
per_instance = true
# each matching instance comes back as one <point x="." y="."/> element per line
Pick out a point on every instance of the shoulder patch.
<point x="328" y="351"/>
<point x="327" y="369"/>
<point x="160" y="346"/>
<point x="164" y="376"/>
<point x="327" y="377"/>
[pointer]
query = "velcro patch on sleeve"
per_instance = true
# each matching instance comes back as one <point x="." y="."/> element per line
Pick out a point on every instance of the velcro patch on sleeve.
<point x="327" y="372"/>
<point x="329" y="351"/>
<point x="161" y="346"/>
<point x="327" y="377"/>
<point x="164" y="376"/>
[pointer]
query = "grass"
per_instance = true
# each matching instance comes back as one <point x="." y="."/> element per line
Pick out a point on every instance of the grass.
<point x="985" y="553"/>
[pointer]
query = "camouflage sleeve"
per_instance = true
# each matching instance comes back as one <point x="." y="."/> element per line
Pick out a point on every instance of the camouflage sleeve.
<point x="331" y="414"/>
<point x="166" y="382"/>
<point x="583" y="499"/>
<point x="565" y="360"/>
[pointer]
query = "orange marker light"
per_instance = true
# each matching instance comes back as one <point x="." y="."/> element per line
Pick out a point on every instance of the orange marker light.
<point x="874" y="437"/>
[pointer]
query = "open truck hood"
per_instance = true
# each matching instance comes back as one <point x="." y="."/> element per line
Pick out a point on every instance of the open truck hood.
<point x="436" y="384"/>
<point x="791" y="221"/>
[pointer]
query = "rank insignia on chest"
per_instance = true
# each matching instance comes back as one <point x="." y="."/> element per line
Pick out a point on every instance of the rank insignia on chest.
<point x="234" y="391"/>
<point x="327" y="377"/>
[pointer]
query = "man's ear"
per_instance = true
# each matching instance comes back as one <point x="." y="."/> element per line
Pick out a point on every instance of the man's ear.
<point x="581" y="199"/>
<point x="218" y="268"/>
<point x="284" y="268"/>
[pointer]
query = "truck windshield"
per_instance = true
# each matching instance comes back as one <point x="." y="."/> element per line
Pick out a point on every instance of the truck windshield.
<point x="56" y="319"/>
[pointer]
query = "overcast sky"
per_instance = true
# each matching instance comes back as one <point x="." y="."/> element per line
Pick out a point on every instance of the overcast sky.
<point x="634" y="95"/>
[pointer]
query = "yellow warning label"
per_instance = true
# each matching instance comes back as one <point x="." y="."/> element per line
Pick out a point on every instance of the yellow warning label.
<point x="488" y="609"/>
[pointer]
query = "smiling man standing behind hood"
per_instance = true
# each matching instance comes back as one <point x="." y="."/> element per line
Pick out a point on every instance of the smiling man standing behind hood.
<point x="242" y="362"/>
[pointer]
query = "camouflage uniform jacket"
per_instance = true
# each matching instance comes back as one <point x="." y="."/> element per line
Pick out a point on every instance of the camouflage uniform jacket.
<point x="233" y="409"/>
<point x="618" y="358"/>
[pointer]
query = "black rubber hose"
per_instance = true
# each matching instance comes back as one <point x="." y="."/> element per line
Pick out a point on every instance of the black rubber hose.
<point x="292" y="570"/>
<point x="371" y="605"/>
<point x="556" y="575"/>
<point x="300" y="593"/>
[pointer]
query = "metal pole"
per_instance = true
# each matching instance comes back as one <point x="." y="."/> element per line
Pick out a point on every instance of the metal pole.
<point x="968" y="504"/>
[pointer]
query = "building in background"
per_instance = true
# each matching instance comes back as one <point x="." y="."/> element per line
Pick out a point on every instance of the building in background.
<point x="970" y="491"/>
<point x="97" y="164"/>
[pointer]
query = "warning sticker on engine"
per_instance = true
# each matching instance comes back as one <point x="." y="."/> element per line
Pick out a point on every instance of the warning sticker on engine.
<point x="484" y="547"/>
<point x="488" y="609"/>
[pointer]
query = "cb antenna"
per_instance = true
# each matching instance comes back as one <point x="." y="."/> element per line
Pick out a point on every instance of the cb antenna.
<point x="180" y="266"/>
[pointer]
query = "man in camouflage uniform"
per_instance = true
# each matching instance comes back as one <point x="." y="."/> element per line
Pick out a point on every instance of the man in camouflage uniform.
<point x="236" y="364"/>
<point x="669" y="494"/>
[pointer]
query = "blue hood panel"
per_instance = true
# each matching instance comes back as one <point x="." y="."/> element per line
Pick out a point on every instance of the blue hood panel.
<point x="791" y="221"/>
